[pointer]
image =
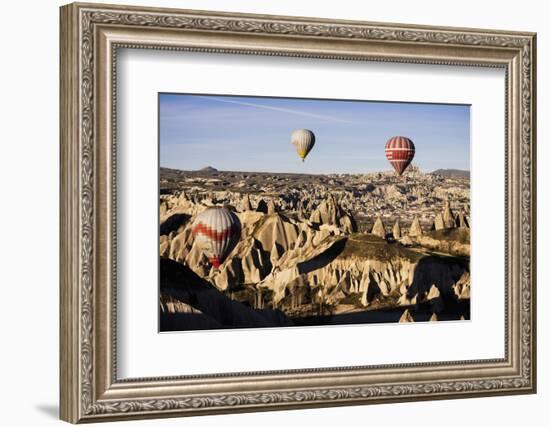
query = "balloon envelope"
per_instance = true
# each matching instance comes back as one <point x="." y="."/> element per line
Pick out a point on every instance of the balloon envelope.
<point x="400" y="152"/>
<point x="303" y="140"/>
<point x="216" y="231"/>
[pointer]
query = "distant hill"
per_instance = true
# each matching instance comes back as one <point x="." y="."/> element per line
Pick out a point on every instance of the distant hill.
<point x="452" y="173"/>
<point x="208" y="169"/>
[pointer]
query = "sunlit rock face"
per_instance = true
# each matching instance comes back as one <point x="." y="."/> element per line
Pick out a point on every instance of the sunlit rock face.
<point x="324" y="250"/>
<point x="330" y="212"/>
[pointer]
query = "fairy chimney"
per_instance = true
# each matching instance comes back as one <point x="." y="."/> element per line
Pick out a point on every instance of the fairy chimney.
<point x="416" y="229"/>
<point x="448" y="217"/>
<point x="462" y="221"/>
<point x="271" y="208"/>
<point x="378" y="228"/>
<point x="439" y="222"/>
<point x="406" y="317"/>
<point x="396" y="230"/>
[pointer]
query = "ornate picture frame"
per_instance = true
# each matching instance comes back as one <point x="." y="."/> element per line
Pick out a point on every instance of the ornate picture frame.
<point x="90" y="37"/>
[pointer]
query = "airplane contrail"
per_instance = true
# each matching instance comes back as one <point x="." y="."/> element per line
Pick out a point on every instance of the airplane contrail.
<point x="269" y="107"/>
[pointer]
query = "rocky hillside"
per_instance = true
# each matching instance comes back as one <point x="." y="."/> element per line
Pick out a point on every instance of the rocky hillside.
<point x="363" y="196"/>
<point x="455" y="173"/>
<point x="318" y="266"/>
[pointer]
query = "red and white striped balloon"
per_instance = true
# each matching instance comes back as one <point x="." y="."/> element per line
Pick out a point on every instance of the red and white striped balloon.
<point x="400" y="152"/>
<point x="216" y="231"/>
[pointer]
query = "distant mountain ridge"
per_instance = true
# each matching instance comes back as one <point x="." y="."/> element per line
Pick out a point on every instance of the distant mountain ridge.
<point x="448" y="173"/>
<point x="455" y="173"/>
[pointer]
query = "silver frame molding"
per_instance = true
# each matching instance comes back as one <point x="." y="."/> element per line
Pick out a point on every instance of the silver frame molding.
<point x="90" y="37"/>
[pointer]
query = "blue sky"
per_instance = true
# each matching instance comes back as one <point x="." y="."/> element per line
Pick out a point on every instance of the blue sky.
<point x="253" y="133"/>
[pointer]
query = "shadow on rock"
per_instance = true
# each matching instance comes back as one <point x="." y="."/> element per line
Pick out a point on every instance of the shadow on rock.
<point x="322" y="259"/>
<point x="443" y="272"/>
<point x="217" y="310"/>
<point x="173" y="222"/>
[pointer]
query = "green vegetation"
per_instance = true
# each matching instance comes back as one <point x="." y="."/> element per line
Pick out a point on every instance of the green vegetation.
<point x="379" y="302"/>
<point x="371" y="246"/>
<point x="461" y="235"/>
<point x="384" y="302"/>
<point x="352" y="299"/>
<point x="247" y="293"/>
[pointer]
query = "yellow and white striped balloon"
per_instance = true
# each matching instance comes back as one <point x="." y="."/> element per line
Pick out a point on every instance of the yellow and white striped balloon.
<point x="303" y="140"/>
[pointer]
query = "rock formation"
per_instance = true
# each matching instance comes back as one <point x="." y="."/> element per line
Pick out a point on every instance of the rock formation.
<point x="392" y="193"/>
<point x="378" y="228"/>
<point x="300" y="251"/>
<point x="416" y="229"/>
<point x="276" y="231"/>
<point x="462" y="222"/>
<point x="407" y="300"/>
<point x="396" y="231"/>
<point x="254" y="263"/>
<point x="330" y="212"/>
<point x="439" y="222"/>
<point x="170" y="304"/>
<point x="446" y="219"/>
<point x="462" y="286"/>
<point x="406" y="317"/>
<point x="189" y="302"/>
<point x="448" y="216"/>
<point x="246" y="205"/>
<point x="358" y="194"/>
<point x="271" y="208"/>
<point x="455" y="242"/>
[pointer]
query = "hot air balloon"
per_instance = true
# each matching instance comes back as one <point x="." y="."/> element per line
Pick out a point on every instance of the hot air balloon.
<point x="303" y="140"/>
<point x="400" y="152"/>
<point x="216" y="231"/>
